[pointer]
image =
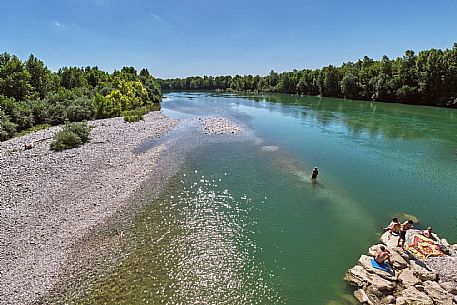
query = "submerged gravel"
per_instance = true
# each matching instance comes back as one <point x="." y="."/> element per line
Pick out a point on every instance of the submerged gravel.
<point x="49" y="200"/>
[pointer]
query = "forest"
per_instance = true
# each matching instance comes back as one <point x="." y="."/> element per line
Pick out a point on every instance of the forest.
<point x="33" y="97"/>
<point x="426" y="78"/>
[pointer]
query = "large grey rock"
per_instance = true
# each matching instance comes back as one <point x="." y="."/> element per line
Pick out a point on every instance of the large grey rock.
<point x="361" y="278"/>
<point x="450" y="287"/>
<point x="407" y="278"/>
<point x="445" y="246"/>
<point x="381" y="284"/>
<point x="390" y="299"/>
<point x="389" y="239"/>
<point x="421" y="272"/>
<point x="357" y="276"/>
<point x="438" y="294"/>
<point x="365" y="262"/>
<point x="400" y="301"/>
<point x="412" y="296"/>
<point x="361" y="296"/>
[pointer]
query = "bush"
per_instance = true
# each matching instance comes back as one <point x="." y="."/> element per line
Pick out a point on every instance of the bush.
<point x="19" y="113"/>
<point x="7" y="128"/>
<point x="72" y="135"/>
<point x="81" y="129"/>
<point x="81" y="109"/>
<point x="39" y="110"/>
<point x="57" y="114"/>
<point x="133" y="115"/>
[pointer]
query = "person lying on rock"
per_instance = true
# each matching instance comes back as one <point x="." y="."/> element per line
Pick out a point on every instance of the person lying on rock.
<point x="428" y="233"/>
<point x="382" y="255"/>
<point x="394" y="226"/>
<point x="404" y="228"/>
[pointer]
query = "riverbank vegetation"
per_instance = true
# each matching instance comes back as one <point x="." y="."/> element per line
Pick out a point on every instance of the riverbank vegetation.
<point x="72" y="135"/>
<point x="427" y="78"/>
<point x="31" y="95"/>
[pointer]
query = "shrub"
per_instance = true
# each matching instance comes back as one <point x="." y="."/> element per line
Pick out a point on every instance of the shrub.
<point x="7" y="128"/>
<point x="133" y="115"/>
<point x="138" y="113"/>
<point x="57" y="114"/>
<point x="72" y="135"/>
<point x="81" y="129"/>
<point x="81" y="109"/>
<point x="39" y="110"/>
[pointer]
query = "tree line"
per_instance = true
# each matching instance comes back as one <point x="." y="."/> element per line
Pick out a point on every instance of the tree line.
<point x="31" y="95"/>
<point x="426" y="78"/>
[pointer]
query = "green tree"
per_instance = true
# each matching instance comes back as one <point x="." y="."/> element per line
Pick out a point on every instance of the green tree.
<point x="14" y="77"/>
<point x="40" y="76"/>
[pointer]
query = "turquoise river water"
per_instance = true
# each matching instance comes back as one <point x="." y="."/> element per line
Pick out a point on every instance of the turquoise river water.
<point x="241" y="223"/>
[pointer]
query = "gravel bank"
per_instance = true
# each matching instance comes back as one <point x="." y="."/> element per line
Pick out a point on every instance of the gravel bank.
<point x="50" y="200"/>
<point x="219" y="125"/>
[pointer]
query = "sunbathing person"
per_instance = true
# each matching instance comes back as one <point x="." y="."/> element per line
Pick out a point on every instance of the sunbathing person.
<point x="428" y="233"/>
<point x="382" y="255"/>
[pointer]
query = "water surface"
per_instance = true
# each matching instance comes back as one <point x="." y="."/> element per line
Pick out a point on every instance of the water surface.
<point x="242" y="224"/>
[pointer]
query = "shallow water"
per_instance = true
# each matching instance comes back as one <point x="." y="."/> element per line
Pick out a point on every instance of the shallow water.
<point x="242" y="224"/>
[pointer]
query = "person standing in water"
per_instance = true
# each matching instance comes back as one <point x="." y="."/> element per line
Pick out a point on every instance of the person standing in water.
<point x="314" y="174"/>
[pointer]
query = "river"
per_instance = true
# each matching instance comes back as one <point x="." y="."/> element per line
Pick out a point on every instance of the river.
<point x="242" y="224"/>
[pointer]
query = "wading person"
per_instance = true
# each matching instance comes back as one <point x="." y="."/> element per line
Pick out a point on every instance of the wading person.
<point x="314" y="174"/>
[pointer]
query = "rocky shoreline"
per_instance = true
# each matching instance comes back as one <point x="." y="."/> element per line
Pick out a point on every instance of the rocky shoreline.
<point x="412" y="281"/>
<point x="50" y="202"/>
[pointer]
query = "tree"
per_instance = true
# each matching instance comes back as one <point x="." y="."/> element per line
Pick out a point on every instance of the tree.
<point x="349" y="85"/>
<point x="40" y="76"/>
<point x="14" y="77"/>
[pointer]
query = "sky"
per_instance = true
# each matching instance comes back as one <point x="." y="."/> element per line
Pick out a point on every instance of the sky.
<point x="200" y="37"/>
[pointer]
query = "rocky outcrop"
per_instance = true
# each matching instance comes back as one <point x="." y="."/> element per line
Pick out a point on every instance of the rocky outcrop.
<point x="411" y="281"/>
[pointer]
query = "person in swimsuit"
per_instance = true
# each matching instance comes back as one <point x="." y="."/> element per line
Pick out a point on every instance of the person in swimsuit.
<point x="428" y="233"/>
<point x="394" y="227"/>
<point x="382" y="255"/>
<point x="314" y="174"/>
<point x="404" y="227"/>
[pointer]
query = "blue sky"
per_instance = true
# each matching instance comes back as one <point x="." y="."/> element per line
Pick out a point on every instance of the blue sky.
<point x="183" y="38"/>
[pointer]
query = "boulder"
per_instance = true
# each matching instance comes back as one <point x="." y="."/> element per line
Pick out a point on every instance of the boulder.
<point x="398" y="261"/>
<point x="389" y="239"/>
<point x="361" y="278"/>
<point x="445" y="246"/>
<point x="454" y="246"/>
<point x="357" y="276"/>
<point x="361" y="296"/>
<point x="381" y="284"/>
<point x="437" y="294"/>
<point x="365" y="262"/>
<point x="450" y="287"/>
<point x="400" y="301"/>
<point x="422" y="272"/>
<point x="407" y="257"/>
<point x="390" y="299"/>
<point x="412" y="296"/>
<point x="407" y="278"/>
